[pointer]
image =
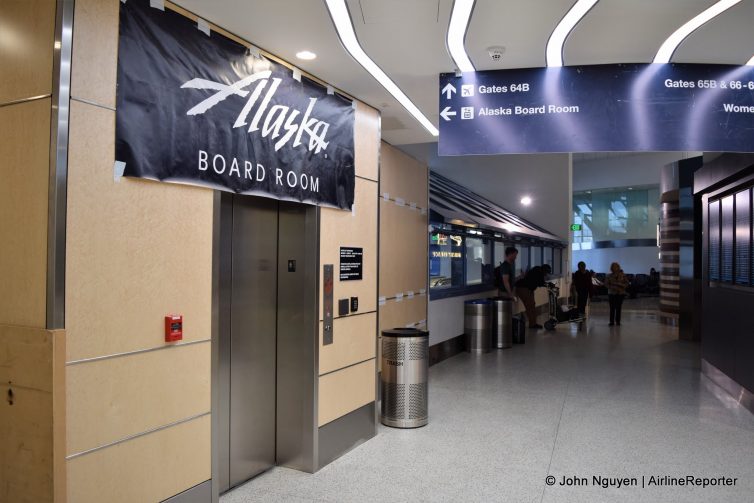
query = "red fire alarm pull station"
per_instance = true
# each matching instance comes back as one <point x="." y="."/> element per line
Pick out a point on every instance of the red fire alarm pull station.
<point x="173" y="328"/>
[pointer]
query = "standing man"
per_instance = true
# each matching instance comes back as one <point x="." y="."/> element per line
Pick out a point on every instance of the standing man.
<point x="508" y="273"/>
<point x="582" y="284"/>
<point x="525" y="291"/>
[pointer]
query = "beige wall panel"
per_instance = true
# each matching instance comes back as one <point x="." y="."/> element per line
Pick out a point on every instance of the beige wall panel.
<point x="32" y="452"/>
<point x="27" y="31"/>
<point x="24" y="171"/>
<point x="366" y="141"/>
<point x="26" y="454"/>
<point x="399" y="314"/>
<point x="345" y="391"/>
<point x="403" y="249"/>
<point x="26" y="357"/>
<point x="95" y="51"/>
<point x="353" y="229"/>
<point x="148" y="468"/>
<point x="403" y="176"/>
<point x="354" y="340"/>
<point x="115" y="398"/>
<point x="137" y="250"/>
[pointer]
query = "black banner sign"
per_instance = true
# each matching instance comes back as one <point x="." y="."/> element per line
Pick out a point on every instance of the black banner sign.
<point x="205" y="110"/>
<point x="351" y="263"/>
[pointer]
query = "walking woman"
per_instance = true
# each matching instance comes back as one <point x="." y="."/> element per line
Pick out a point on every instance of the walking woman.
<point x="616" y="283"/>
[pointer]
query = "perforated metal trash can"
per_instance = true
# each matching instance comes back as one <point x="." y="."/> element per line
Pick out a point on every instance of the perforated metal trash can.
<point x="405" y="365"/>
<point x="502" y="322"/>
<point x="477" y="322"/>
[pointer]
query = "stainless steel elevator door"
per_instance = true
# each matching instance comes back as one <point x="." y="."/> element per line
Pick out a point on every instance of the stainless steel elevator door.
<point x="253" y="320"/>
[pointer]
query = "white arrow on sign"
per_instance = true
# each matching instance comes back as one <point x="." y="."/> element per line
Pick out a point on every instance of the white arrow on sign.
<point x="449" y="89"/>
<point x="446" y="113"/>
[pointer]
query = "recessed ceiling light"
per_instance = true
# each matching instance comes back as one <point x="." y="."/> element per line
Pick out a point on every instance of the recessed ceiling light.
<point x="554" y="52"/>
<point x="526" y="200"/>
<point x="630" y="188"/>
<point x="342" y="21"/>
<point x="459" y="22"/>
<point x="671" y="44"/>
<point x="306" y="55"/>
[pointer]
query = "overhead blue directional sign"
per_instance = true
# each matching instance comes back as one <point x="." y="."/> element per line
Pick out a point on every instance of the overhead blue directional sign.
<point x="621" y="107"/>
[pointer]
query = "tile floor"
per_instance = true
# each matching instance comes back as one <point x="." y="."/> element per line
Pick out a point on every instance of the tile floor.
<point x="616" y="402"/>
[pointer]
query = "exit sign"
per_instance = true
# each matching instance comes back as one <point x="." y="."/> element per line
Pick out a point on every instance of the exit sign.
<point x="575" y="227"/>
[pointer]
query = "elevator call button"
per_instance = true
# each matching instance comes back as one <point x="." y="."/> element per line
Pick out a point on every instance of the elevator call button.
<point x="173" y="327"/>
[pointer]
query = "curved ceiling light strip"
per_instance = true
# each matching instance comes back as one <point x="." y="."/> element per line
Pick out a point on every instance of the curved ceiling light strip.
<point x="554" y="51"/>
<point x="671" y="44"/>
<point x="459" y="23"/>
<point x="344" y="27"/>
<point x="750" y="62"/>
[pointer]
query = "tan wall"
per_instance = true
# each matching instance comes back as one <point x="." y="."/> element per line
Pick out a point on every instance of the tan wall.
<point x="404" y="218"/>
<point x="343" y="385"/>
<point x="32" y="456"/>
<point x="28" y="28"/>
<point x="26" y="68"/>
<point x="123" y="276"/>
<point x="136" y="251"/>
<point x="32" y="376"/>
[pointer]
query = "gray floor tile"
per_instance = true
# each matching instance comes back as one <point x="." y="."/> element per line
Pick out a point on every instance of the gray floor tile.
<point x="613" y="401"/>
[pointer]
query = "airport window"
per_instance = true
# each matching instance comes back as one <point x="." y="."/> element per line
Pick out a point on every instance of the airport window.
<point x="743" y="237"/>
<point x="522" y="263"/>
<point x="557" y="265"/>
<point x="498" y="252"/>
<point x="445" y="260"/>
<point x="714" y="241"/>
<point x="548" y="256"/>
<point x="726" y="240"/>
<point x="478" y="261"/>
<point x="729" y="245"/>
<point x="536" y="256"/>
<point x="463" y="262"/>
<point x="615" y="214"/>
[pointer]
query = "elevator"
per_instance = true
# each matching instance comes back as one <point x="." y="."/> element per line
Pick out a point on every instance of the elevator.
<point x="267" y="316"/>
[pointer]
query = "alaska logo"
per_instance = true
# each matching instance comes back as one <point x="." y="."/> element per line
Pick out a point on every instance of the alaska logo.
<point x="280" y="121"/>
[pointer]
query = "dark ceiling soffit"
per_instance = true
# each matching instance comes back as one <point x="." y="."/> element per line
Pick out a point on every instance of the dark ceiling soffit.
<point x="450" y="208"/>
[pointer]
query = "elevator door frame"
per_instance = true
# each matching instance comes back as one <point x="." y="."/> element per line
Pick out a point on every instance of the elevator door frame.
<point x="297" y="351"/>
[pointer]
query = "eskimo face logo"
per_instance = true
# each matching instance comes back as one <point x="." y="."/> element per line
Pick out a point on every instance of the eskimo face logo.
<point x="278" y="120"/>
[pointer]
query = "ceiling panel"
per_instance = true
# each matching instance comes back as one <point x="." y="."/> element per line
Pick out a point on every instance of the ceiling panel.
<point x="411" y="49"/>
<point x="407" y="40"/>
<point x="286" y="27"/>
<point x="620" y="31"/>
<point x="729" y="38"/>
<point x="521" y="26"/>
<point x="398" y="11"/>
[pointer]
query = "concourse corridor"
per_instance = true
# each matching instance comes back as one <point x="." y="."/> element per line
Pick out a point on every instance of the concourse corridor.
<point x="616" y="402"/>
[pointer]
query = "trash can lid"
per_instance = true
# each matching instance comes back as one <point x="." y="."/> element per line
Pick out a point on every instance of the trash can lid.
<point x="477" y="301"/>
<point x="500" y="299"/>
<point x="404" y="332"/>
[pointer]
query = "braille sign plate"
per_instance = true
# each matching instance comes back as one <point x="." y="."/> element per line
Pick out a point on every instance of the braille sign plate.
<point x="351" y="263"/>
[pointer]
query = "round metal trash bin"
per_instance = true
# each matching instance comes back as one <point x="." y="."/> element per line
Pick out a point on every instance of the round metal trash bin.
<point x="477" y="325"/>
<point x="502" y="322"/>
<point x="405" y="364"/>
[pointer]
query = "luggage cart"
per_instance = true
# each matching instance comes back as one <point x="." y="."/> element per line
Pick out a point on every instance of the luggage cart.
<point x="559" y="315"/>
